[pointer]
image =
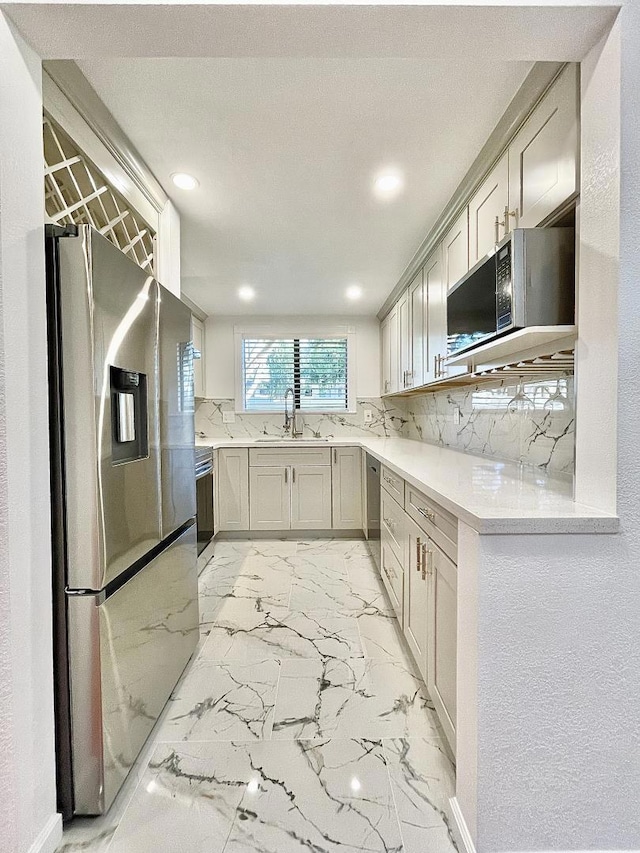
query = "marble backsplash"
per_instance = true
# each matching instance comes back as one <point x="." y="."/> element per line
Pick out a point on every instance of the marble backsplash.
<point x="536" y="429"/>
<point x="386" y="420"/>
<point x="532" y="423"/>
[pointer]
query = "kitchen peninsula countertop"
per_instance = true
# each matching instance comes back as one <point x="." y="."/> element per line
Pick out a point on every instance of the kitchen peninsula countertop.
<point x="489" y="495"/>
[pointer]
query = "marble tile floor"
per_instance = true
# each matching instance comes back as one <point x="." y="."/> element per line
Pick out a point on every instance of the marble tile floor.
<point x="301" y="722"/>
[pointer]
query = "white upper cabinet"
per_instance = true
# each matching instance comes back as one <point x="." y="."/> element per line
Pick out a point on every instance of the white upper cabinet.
<point x="435" y="290"/>
<point x="490" y="202"/>
<point x="347" y="491"/>
<point x="385" y="360"/>
<point x="404" y="342"/>
<point x="390" y="352"/>
<point x="197" y="336"/>
<point x="455" y="250"/>
<point x="418" y="325"/>
<point x="543" y="157"/>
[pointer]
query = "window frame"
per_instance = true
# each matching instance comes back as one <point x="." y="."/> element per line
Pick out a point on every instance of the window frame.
<point x="277" y="333"/>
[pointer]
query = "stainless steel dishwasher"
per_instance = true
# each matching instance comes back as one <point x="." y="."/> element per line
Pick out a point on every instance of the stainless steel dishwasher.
<point x="204" y="496"/>
<point x="373" y="507"/>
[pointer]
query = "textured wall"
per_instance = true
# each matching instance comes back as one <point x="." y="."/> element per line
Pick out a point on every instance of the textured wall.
<point x="558" y="746"/>
<point x="27" y="779"/>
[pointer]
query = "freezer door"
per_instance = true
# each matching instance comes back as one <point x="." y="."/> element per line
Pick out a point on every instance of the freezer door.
<point x="126" y="655"/>
<point x="110" y="405"/>
<point x="177" y="429"/>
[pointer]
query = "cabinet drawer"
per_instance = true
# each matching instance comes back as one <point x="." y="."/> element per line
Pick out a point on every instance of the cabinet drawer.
<point x="437" y="522"/>
<point x="393" y="578"/>
<point x="393" y="484"/>
<point x="392" y="524"/>
<point x="286" y="456"/>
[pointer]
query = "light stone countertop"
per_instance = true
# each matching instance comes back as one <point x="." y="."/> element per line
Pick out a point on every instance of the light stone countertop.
<point x="489" y="495"/>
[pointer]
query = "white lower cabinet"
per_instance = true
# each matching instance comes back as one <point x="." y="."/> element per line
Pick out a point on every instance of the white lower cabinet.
<point x="311" y="497"/>
<point x="442" y="642"/>
<point x="270" y="504"/>
<point x="233" y="488"/>
<point x="347" y="491"/>
<point x="416" y="596"/>
<point x="418" y="542"/>
<point x="301" y="488"/>
<point x="392" y="573"/>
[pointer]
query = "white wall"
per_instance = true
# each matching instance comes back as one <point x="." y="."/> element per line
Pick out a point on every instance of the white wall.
<point x="168" y="248"/>
<point x="597" y="303"/>
<point x="558" y="681"/>
<point x="27" y="780"/>
<point x="221" y="358"/>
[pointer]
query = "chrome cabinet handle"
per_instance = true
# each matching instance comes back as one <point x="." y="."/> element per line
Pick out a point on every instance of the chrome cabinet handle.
<point x="505" y="222"/>
<point x="426" y="513"/>
<point x="418" y="560"/>
<point x="507" y="214"/>
<point x="335" y="456"/>
<point x="426" y="568"/>
<point x="293" y="473"/>
<point x="286" y="475"/>
<point x="390" y="481"/>
<point x="438" y="369"/>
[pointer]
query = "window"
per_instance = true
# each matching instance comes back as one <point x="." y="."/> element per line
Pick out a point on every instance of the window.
<point x="316" y="369"/>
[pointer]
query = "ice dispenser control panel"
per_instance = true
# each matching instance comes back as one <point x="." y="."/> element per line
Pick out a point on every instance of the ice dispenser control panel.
<point x="129" y="415"/>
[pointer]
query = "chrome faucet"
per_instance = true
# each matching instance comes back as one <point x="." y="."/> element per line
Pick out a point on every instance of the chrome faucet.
<point x="291" y="420"/>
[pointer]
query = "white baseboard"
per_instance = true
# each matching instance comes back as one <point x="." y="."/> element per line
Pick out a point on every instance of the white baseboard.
<point x="49" y="836"/>
<point x="459" y="828"/>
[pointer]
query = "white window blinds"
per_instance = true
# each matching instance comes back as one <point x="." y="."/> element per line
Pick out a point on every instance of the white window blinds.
<point x="316" y="369"/>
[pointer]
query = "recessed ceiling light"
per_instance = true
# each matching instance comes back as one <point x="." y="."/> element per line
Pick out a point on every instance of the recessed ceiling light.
<point x="354" y="292"/>
<point x="388" y="184"/>
<point x="246" y="293"/>
<point x="184" y="181"/>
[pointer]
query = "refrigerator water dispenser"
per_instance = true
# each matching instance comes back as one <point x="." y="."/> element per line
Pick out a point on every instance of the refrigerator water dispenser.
<point x="129" y="415"/>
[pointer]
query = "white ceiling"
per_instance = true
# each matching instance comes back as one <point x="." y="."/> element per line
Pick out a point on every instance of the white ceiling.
<point x="286" y="151"/>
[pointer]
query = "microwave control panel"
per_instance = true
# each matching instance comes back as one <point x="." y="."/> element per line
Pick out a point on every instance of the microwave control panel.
<point x="504" y="289"/>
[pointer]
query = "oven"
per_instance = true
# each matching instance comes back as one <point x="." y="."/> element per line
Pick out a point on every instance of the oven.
<point x="204" y="496"/>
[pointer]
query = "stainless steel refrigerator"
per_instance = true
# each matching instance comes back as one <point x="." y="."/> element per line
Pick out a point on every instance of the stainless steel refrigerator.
<point x="123" y="508"/>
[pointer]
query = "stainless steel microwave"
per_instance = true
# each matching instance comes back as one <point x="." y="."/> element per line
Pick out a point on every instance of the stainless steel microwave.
<point x="529" y="280"/>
